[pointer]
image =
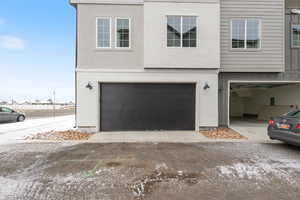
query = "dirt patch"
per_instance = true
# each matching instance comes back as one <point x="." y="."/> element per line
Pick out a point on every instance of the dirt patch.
<point x="209" y="171"/>
<point x="147" y="184"/>
<point x="222" y="133"/>
<point x="60" y="135"/>
<point x="113" y="164"/>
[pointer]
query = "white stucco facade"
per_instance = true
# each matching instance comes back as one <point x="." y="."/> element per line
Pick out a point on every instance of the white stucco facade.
<point x="205" y="55"/>
<point x="88" y="109"/>
<point x="148" y="60"/>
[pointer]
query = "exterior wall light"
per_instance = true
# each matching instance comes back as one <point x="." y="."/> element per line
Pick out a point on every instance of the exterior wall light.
<point x="206" y="86"/>
<point x="295" y="11"/>
<point x="89" y="86"/>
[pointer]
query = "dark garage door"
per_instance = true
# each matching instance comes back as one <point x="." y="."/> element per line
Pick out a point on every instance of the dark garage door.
<point x="143" y="106"/>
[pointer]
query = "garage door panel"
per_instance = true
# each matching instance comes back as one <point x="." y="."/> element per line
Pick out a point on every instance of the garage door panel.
<point x="139" y="106"/>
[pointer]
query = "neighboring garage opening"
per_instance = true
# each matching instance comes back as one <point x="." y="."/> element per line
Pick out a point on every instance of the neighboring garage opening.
<point x="147" y="106"/>
<point x="258" y="102"/>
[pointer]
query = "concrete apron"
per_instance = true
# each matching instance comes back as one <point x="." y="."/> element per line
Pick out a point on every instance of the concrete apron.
<point x="161" y="137"/>
<point x="254" y="131"/>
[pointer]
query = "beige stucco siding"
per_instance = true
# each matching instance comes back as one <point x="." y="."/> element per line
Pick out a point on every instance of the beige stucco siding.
<point x="158" y="55"/>
<point x="88" y="109"/>
<point x="270" y="58"/>
<point x="91" y="57"/>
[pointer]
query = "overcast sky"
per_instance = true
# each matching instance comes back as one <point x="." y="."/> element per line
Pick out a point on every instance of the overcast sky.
<point x="37" y="41"/>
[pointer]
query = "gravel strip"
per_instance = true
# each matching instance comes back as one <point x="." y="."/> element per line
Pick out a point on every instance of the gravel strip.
<point x="222" y="133"/>
<point x="60" y="135"/>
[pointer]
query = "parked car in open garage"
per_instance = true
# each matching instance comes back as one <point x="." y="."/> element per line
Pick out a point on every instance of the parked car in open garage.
<point x="286" y="128"/>
<point x="9" y="115"/>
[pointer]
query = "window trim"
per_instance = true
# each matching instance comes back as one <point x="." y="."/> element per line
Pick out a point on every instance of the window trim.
<point x="292" y="36"/>
<point x="245" y="42"/>
<point x="181" y="38"/>
<point x="116" y="35"/>
<point x="110" y="32"/>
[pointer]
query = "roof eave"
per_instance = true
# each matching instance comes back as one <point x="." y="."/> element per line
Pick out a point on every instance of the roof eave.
<point x="134" y="2"/>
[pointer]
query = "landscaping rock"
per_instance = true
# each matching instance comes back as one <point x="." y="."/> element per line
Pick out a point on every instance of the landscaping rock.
<point x="222" y="133"/>
<point x="60" y="135"/>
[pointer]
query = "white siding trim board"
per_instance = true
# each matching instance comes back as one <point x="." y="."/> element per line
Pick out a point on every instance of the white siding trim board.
<point x="138" y="2"/>
<point x="148" y="71"/>
<point x="119" y="2"/>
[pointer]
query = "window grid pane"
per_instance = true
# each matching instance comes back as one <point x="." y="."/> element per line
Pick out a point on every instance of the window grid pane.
<point x="189" y="31"/>
<point x="173" y="31"/>
<point x="253" y="37"/>
<point x="123" y="33"/>
<point x="296" y="35"/>
<point x="245" y="34"/>
<point x="238" y="34"/>
<point x="103" y="33"/>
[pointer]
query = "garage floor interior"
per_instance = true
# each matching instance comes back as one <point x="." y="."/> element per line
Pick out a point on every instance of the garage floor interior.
<point x="253" y="104"/>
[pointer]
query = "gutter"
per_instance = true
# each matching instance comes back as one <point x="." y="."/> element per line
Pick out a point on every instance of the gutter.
<point x="76" y="57"/>
<point x="118" y="2"/>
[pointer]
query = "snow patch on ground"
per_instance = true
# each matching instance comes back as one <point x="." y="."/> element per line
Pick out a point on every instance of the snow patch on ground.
<point x="10" y="186"/>
<point x="16" y="132"/>
<point x="28" y="187"/>
<point x="161" y="166"/>
<point x="261" y="169"/>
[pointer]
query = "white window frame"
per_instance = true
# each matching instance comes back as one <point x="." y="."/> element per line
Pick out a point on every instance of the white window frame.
<point x="116" y="33"/>
<point x="181" y="38"/>
<point x="292" y="37"/>
<point x="110" y="32"/>
<point x="245" y="42"/>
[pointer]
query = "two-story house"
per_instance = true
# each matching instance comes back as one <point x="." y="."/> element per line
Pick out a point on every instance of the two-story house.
<point x="260" y="59"/>
<point x="169" y="64"/>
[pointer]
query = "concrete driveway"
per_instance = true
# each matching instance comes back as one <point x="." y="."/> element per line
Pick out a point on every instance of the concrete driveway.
<point x="254" y="133"/>
<point x="16" y="132"/>
<point x="149" y="136"/>
<point x="254" y="130"/>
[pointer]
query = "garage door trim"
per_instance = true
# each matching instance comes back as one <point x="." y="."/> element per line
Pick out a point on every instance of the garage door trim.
<point x="195" y="94"/>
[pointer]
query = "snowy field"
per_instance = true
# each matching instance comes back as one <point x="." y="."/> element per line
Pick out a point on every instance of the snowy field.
<point x="16" y="132"/>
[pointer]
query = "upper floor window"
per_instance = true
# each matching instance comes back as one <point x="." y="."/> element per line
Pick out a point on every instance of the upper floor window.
<point x="181" y="31"/>
<point x="245" y="34"/>
<point x="123" y="33"/>
<point x="103" y="32"/>
<point x="295" y="35"/>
